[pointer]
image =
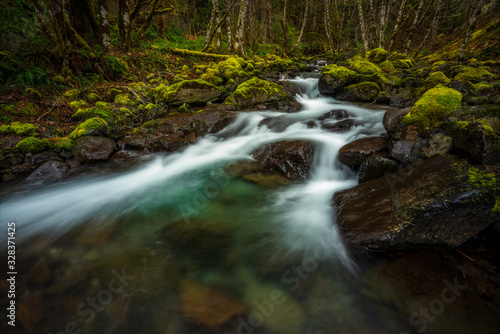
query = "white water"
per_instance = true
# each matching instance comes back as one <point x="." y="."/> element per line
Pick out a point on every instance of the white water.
<point x="301" y="212"/>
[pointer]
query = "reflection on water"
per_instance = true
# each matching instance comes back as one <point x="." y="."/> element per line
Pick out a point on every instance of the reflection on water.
<point x="178" y="246"/>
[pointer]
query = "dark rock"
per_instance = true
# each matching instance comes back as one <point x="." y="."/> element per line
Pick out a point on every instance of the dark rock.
<point x="135" y="142"/>
<point x="51" y="171"/>
<point x="290" y="159"/>
<point x="51" y="132"/>
<point x="92" y="149"/>
<point x="392" y="119"/>
<point x="361" y="92"/>
<point x="340" y="126"/>
<point x="461" y="86"/>
<point x="376" y="166"/>
<point x="334" y="114"/>
<point x="438" y="144"/>
<point x="407" y="150"/>
<point x="401" y="99"/>
<point x="477" y="144"/>
<point x="354" y="153"/>
<point x="276" y="124"/>
<point x="410" y="82"/>
<point x="429" y="204"/>
<point x="477" y="101"/>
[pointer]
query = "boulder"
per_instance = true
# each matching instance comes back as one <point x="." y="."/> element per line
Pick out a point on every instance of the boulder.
<point x="192" y="92"/>
<point x="365" y="67"/>
<point x="354" y="153"/>
<point x="51" y="171"/>
<point x="360" y="92"/>
<point x="376" y="166"/>
<point x="340" y="126"/>
<point x="478" y="142"/>
<point x="433" y="108"/>
<point x="256" y="91"/>
<point x="334" y="78"/>
<point x="434" y="203"/>
<point x="393" y="118"/>
<point x="93" y="149"/>
<point x="377" y="55"/>
<point x="436" y="78"/>
<point x="473" y="74"/>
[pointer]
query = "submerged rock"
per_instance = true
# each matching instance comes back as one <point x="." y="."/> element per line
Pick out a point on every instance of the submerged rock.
<point x="434" y="203"/>
<point x="354" y="153"/>
<point x="51" y="171"/>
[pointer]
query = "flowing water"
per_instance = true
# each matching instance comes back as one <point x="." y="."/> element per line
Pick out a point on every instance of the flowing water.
<point x="177" y="245"/>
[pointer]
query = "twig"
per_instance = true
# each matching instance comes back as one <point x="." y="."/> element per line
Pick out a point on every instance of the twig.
<point x="55" y="104"/>
<point x="479" y="264"/>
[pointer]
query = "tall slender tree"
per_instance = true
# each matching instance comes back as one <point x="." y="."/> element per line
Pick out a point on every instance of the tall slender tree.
<point x="362" y="25"/>
<point x="239" y="38"/>
<point x="472" y="25"/>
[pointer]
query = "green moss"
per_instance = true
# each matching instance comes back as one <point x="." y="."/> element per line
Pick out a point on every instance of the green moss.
<point x="473" y="74"/>
<point x="124" y="100"/>
<point x="436" y="78"/>
<point x="255" y="91"/>
<point x="21" y="108"/>
<point x="92" y="97"/>
<point x="213" y="76"/>
<point x="59" y="80"/>
<point x="377" y="55"/>
<point x="21" y="129"/>
<point x="100" y="110"/>
<point x="77" y="104"/>
<point x="364" y="91"/>
<point x="432" y="109"/>
<point x="61" y="144"/>
<point x="340" y="76"/>
<point x="403" y="63"/>
<point x="365" y="67"/>
<point x="31" y="144"/>
<point x="387" y="66"/>
<point x="183" y="108"/>
<point x="167" y="94"/>
<point x="496" y="208"/>
<point x="93" y="125"/>
<point x="4" y="129"/>
<point x="110" y="95"/>
<point x="72" y="94"/>
<point x="483" y="88"/>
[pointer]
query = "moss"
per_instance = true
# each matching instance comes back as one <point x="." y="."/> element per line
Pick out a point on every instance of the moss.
<point x="91" y="126"/>
<point x="338" y="76"/>
<point x="213" y="76"/>
<point x="364" y="91"/>
<point x="168" y="94"/>
<point x="387" y="66"/>
<point x="72" y="94"/>
<point x="31" y="144"/>
<point x="365" y="67"/>
<point x="62" y="144"/>
<point x="110" y="95"/>
<point x="436" y="78"/>
<point x="92" y="97"/>
<point x="100" y="110"/>
<point x="137" y="86"/>
<point x="21" y="108"/>
<point x="124" y="100"/>
<point x="183" y="108"/>
<point x="21" y="129"/>
<point x="496" y="208"/>
<point x="58" y="79"/>
<point x="33" y="94"/>
<point x="385" y="80"/>
<point x="4" y="129"/>
<point x="483" y="88"/>
<point x="377" y="55"/>
<point x="432" y="109"/>
<point x="255" y="91"/>
<point x="403" y="63"/>
<point x="473" y="74"/>
<point x="77" y="104"/>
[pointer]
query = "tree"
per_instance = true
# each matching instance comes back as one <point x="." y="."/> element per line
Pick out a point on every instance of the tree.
<point x="304" y="22"/>
<point x="362" y="25"/>
<point x="239" y="38"/>
<point x="473" y="21"/>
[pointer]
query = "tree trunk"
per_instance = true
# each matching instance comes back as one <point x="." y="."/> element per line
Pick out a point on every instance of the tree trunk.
<point x="381" y="31"/>
<point x="213" y="18"/>
<point x="284" y="25"/>
<point x="398" y="23"/>
<point x="431" y="29"/>
<point x="301" y="29"/>
<point x="470" y="30"/>
<point x="124" y="23"/>
<point x="362" y="25"/>
<point x="229" y="26"/>
<point x="328" y="26"/>
<point x="239" y="40"/>
<point x="413" y="27"/>
<point x="105" y="39"/>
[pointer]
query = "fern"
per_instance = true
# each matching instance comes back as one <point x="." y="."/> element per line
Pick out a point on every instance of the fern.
<point x="33" y="76"/>
<point x="114" y="66"/>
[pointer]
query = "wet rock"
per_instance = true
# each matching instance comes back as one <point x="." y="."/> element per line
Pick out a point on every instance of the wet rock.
<point x="192" y="92"/>
<point x="334" y="115"/>
<point x="438" y="144"/>
<point x="93" y="149"/>
<point x="340" y="126"/>
<point x="401" y="99"/>
<point x="360" y="92"/>
<point x="334" y="78"/>
<point x="393" y="118"/>
<point x="290" y="159"/>
<point x="255" y="92"/>
<point x="51" y="171"/>
<point x="354" y="153"/>
<point x="376" y="166"/>
<point x="429" y="204"/>
<point x="208" y="307"/>
<point x="275" y="124"/>
<point x="479" y="143"/>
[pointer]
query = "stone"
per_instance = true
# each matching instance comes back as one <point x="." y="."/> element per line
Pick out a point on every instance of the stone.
<point x="393" y="118"/>
<point x="377" y="55"/>
<point x="334" y="78"/>
<point x="438" y="144"/>
<point x="479" y="143"/>
<point x="92" y="149"/>
<point x="354" y="153"/>
<point x="429" y="204"/>
<point x="376" y="166"/>
<point x="340" y="126"/>
<point x="360" y="92"/>
<point x="207" y="306"/>
<point x="254" y="92"/>
<point x="192" y="92"/>
<point x="49" y="172"/>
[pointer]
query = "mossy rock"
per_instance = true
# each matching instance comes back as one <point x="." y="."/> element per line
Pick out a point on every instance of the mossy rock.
<point x="93" y="97"/>
<point x="72" y="94"/>
<point x="124" y="100"/>
<point x="23" y="129"/>
<point x="193" y="92"/>
<point x="100" y="110"/>
<point x="111" y="94"/>
<point x="483" y="88"/>
<point x="31" y="145"/>
<point x="361" y="92"/>
<point x="21" y="108"/>
<point x="377" y="55"/>
<point x="473" y="74"/>
<point x="256" y="91"/>
<point x="365" y="67"/>
<point x="478" y="101"/>
<point x="386" y="81"/>
<point x="4" y="129"/>
<point x="436" y="78"/>
<point x="213" y="76"/>
<point x="77" y="104"/>
<point x="137" y="86"/>
<point x="92" y="127"/>
<point x="403" y="63"/>
<point x="334" y="78"/>
<point x="387" y="66"/>
<point x="433" y="108"/>
<point x="59" y="80"/>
